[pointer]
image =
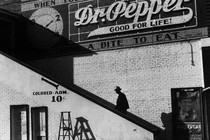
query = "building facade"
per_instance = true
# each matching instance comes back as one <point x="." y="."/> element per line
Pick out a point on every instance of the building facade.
<point x="34" y="108"/>
<point x="153" y="50"/>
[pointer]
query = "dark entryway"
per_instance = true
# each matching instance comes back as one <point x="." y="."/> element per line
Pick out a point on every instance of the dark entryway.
<point x="206" y="65"/>
<point x="19" y="122"/>
<point x="39" y="117"/>
<point x="206" y="92"/>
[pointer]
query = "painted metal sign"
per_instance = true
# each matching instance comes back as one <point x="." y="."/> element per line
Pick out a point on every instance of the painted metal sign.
<point x="187" y="113"/>
<point x="140" y="13"/>
<point x="97" y="19"/>
<point x="90" y="20"/>
<point x="97" y="25"/>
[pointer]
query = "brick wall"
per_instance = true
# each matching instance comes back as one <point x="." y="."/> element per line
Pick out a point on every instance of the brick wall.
<point x="145" y="74"/>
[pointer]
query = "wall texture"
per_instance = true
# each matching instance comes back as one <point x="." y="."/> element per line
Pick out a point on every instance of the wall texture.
<point x="11" y="5"/>
<point x="145" y="74"/>
<point x="17" y="87"/>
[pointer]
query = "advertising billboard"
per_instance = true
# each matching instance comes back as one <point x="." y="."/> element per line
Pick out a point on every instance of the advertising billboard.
<point x="186" y="105"/>
<point x="93" y="19"/>
<point x="97" y="19"/>
<point x="102" y="25"/>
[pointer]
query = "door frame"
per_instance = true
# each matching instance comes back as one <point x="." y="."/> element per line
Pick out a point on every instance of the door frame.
<point x="32" y="119"/>
<point x="27" y="118"/>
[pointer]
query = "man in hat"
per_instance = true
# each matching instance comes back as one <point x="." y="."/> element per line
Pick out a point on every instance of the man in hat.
<point x="187" y="112"/>
<point x="122" y="102"/>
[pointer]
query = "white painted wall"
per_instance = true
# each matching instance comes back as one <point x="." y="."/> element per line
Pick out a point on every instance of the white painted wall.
<point x="205" y="42"/>
<point x="17" y="85"/>
<point x="146" y="75"/>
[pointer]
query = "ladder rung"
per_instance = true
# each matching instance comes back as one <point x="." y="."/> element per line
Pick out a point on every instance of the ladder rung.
<point x="67" y="128"/>
<point x="65" y="125"/>
<point x="81" y="129"/>
<point x="77" y="133"/>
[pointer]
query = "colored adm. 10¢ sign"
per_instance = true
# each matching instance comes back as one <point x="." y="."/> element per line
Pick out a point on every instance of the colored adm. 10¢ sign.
<point x="95" y="19"/>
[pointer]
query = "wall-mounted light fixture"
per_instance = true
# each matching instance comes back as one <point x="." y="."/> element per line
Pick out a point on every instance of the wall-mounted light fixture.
<point x="49" y="82"/>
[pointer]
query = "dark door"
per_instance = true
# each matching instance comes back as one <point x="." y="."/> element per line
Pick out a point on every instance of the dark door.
<point x="39" y="117"/>
<point x="19" y="122"/>
<point x="206" y="92"/>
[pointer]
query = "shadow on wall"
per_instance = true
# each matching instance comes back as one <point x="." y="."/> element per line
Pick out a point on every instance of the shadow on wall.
<point x="181" y="132"/>
<point x="166" y="119"/>
<point x="33" y="41"/>
<point x="128" y="116"/>
<point x="82" y="129"/>
<point x="41" y="55"/>
<point x="38" y="47"/>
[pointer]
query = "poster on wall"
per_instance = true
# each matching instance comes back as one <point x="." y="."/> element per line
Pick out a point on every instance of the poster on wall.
<point x="186" y="106"/>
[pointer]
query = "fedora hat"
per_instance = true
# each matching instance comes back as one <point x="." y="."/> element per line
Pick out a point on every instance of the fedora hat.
<point x="117" y="88"/>
<point x="187" y="95"/>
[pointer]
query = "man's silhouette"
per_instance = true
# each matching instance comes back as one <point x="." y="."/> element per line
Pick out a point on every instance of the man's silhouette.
<point x="122" y="102"/>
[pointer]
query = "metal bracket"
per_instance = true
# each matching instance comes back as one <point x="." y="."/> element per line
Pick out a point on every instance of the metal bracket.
<point x="49" y="82"/>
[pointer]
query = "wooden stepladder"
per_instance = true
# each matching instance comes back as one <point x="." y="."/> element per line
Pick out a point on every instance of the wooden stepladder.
<point x="82" y="130"/>
<point x="65" y="129"/>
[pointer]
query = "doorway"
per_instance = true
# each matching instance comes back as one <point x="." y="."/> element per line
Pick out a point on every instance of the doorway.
<point x="19" y="122"/>
<point x="39" y="117"/>
<point x="206" y="65"/>
<point x="206" y="92"/>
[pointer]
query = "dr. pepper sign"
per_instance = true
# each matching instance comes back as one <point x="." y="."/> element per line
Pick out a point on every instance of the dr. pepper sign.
<point x="98" y="18"/>
<point x="89" y="20"/>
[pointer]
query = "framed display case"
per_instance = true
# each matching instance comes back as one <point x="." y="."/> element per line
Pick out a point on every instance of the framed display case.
<point x="187" y="113"/>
